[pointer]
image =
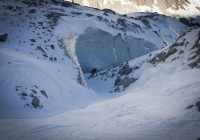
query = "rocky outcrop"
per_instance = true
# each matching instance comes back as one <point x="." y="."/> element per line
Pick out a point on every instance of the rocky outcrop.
<point x="198" y="105"/>
<point x="163" y="55"/>
<point x="36" y="102"/>
<point x="3" y="37"/>
<point x="126" y="81"/>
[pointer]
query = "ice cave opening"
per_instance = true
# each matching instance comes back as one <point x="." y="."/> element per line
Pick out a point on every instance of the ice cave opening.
<point x="99" y="49"/>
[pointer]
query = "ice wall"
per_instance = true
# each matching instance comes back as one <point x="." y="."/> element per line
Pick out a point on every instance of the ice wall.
<point x="97" y="48"/>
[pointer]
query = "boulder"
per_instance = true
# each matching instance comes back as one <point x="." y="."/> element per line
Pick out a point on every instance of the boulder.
<point x="190" y="106"/>
<point x="198" y="105"/>
<point x="117" y="80"/>
<point x="36" y="102"/>
<point x="126" y="81"/>
<point x="24" y="94"/>
<point x="44" y="93"/>
<point x="3" y="37"/>
<point x="126" y="70"/>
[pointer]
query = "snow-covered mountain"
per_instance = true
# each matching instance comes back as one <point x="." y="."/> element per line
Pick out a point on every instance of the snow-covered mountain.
<point x="147" y="86"/>
<point x="38" y="36"/>
<point x="176" y="8"/>
<point x="164" y="102"/>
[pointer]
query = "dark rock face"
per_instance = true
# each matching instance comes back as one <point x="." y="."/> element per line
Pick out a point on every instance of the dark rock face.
<point x="198" y="105"/>
<point x="33" y="40"/>
<point x="31" y="11"/>
<point x="117" y="80"/>
<point x="126" y="81"/>
<point x="51" y="58"/>
<point x="44" y="93"/>
<point x="34" y="91"/>
<point x="195" y="63"/>
<point x="126" y="70"/>
<point x="3" y="37"/>
<point x="163" y="55"/>
<point x="196" y="55"/>
<point x="52" y="46"/>
<point x="36" y="102"/>
<point x="41" y="49"/>
<point x="24" y="94"/>
<point x="190" y="106"/>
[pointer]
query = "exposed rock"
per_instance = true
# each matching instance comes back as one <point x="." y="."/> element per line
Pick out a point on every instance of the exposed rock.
<point x="174" y="59"/>
<point x="190" y="106"/>
<point x="10" y="7"/>
<point x="121" y="22"/>
<point x="89" y="15"/>
<point x="36" y="102"/>
<point x="181" y="51"/>
<point x="159" y="57"/>
<point x="24" y="94"/>
<point x="3" y="37"/>
<point x="163" y="55"/>
<point x="53" y="18"/>
<point x="195" y="63"/>
<point x="126" y="81"/>
<point x="113" y="74"/>
<point x="172" y="51"/>
<point x="51" y="58"/>
<point x="185" y="21"/>
<point x="31" y="11"/>
<point x="109" y="11"/>
<point x="135" y="68"/>
<point x="198" y="105"/>
<point x="41" y="49"/>
<point x="117" y="89"/>
<point x="44" y="93"/>
<point x="32" y="40"/>
<point x="45" y="55"/>
<point x="193" y="57"/>
<point x="52" y="46"/>
<point x="117" y="80"/>
<point x="34" y="91"/>
<point x="126" y="70"/>
<point x="197" y="44"/>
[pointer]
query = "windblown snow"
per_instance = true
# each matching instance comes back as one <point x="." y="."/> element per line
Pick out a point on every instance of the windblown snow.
<point x="147" y="85"/>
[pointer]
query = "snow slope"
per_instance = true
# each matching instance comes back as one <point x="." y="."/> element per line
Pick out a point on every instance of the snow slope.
<point x="22" y="74"/>
<point x="36" y="76"/>
<point x="155" y="107"/>
<point x="33" y="66"/>
<point x="40" y="87"/>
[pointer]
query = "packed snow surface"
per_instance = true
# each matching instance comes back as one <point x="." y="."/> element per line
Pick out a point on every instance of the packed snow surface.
<point x="154" y="107"/>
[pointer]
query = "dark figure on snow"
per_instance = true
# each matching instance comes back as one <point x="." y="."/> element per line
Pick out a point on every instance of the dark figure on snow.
<point x="94" y="71"/>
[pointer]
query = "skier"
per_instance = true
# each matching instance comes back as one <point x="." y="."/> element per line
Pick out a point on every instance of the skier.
<point x="94" y="71"/>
